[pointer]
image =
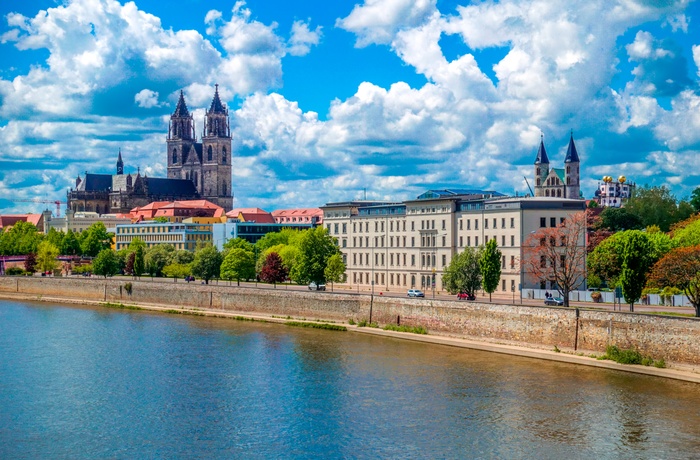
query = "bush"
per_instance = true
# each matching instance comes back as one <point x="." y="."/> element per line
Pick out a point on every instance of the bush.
<point x="14" y="271"/>
<point x="412" y="329"/>
<point x="630" y="356"/>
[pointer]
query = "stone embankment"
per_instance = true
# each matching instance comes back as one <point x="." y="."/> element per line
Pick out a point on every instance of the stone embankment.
<point x="676" y="339"/>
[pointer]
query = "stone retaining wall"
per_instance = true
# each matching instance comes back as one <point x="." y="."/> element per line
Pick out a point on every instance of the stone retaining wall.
<point x="674" y="339"/>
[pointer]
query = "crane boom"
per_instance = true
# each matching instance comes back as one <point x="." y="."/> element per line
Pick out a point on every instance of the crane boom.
<point x="56" y="202"/>
<point x="528" y="186"/>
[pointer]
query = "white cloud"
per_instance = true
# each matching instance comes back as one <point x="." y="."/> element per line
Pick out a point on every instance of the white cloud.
<point x="303" y="38"/>
<point x="677" y="22"/>
<point x="146" y="98"/>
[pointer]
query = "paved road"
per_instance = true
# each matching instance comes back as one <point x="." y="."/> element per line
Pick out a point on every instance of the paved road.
<point x="497" y="298"/>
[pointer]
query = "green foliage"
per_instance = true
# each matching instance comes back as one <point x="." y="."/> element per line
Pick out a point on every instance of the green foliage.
<point x="95" y="239"/>
<point x="238" y="264"/>
<point x="335" y="269"/>
<point x="207" y="263"/>
<point x="70" y="245"/>
<point x="128" y="287"/>
<point x="182" y="256"/>
<point x="657" y="206"/>
<point x="411" y="329"/>
<point x="14" y="271"/>
<point x="55" y="237"/>
<point x="464" y="272"/>
<point x="351" y="322"/>
<point x="619" y="219"/>
<point x="139" y="261"/>
<point x="594" y="281"/>
<point x="22" y="238"/>
<point x="47" y="256"/>
<point x="106" y="263"/>
<point x="161" y="220"/>
<point x="80" y="269"/>
<point x="316" y="246"/>
<point x="490" y="264"/>
<point x="630" y="356"/>
<point x="695" y="199"/>
<point x="330" y="327"/>
<point x="688" y="235"/>
<point x="239" y="243"/>
<point x="636" y="262"/>
<point x="592" y="204"/>
<point x="177" y="270"/>
<point x="156" y="258"/>
<point x="286" y="236"/>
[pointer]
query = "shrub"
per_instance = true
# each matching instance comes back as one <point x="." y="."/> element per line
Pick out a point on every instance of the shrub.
<point x="412" y="329"/>
<point x="128" y="288"/>
<point x="351" y="322"/>
<point x="14" y="271"/>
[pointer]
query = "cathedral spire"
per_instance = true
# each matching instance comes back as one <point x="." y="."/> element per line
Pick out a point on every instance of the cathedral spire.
<point x="571" y="153"/>
<point x="120" y="163"/>
<point x="216" y="105"/>
<point x="181" y="109"/>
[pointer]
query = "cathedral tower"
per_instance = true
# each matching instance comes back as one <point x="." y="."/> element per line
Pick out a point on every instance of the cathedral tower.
<point x="541" y="168"/>
<point x="215" y="185"/>
<point x="573" y="165"/>
<point x="181" y="139"/>
<point x="120" y="164"/>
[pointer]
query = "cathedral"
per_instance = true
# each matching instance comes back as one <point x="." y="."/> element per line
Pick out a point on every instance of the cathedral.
<point x="558" y="182"/>
<point x="195" y="170"/>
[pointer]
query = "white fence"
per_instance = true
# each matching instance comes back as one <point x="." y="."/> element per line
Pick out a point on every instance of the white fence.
<point x="608" y="297"/>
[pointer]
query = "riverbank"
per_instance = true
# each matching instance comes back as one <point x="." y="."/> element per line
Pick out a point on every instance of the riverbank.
<point x="301" y="306"/>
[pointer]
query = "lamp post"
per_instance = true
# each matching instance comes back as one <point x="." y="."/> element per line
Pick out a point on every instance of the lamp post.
<point x="432" y="282"/>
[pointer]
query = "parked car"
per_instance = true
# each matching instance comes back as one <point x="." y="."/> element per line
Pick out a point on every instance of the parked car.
<point x="465" y="296"/>
<point x="415" y="293"/>
<point x="189" y="278"/>
<point x="313" y="286"/>
<point x="556" y="301"/>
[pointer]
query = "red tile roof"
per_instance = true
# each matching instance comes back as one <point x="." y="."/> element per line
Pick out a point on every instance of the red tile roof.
<point x="299" y="215"/>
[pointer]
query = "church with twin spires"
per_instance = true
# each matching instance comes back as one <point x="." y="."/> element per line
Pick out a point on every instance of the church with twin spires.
<point x="196" y="170"/>
<point x="558" y="182"/>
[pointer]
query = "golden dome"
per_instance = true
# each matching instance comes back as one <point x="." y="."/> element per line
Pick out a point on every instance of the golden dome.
<point x="621" y="179"/>
<point x="607" y="179"/>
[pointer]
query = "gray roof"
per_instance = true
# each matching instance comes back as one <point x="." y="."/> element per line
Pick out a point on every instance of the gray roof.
<point x="170" y="187"/>
<point x="96" y="183"/>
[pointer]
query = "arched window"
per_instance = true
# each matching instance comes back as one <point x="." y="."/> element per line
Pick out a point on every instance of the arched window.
<point x="195" y="179"/>
<point x="538" y="181"/>
<point x="174" y="155"/>
<point x="538" y="171"/>
<point x="209" y="153"/>
<point x="546" y="193"/>
<point x="223" y="156"/>
<point x="559" y="193"/>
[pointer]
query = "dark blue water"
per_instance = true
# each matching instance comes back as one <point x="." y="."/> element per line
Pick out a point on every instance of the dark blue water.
<point x="98" y="383"/>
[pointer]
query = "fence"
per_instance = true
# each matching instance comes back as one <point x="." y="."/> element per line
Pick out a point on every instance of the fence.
<point x="608" y="297"/>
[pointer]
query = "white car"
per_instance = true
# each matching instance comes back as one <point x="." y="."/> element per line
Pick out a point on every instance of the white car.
<point x="316" y="286"/>
<point x="415" y="293"/>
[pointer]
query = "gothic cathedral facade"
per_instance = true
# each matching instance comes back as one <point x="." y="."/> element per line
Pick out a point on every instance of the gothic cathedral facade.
<point x="558" y="182"/>
<point x="206" y="164"/>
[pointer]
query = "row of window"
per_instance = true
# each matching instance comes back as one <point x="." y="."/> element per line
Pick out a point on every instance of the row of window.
<point x="552" y="221"/>
<point x="210" y="155"/>
<point x="357" y="227"/>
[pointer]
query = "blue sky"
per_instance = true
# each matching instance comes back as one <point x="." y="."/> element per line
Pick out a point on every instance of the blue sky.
<point x="329" y="99"/>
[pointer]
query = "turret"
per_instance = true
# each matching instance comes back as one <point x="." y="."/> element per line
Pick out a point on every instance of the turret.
<point x="120" y="163"/>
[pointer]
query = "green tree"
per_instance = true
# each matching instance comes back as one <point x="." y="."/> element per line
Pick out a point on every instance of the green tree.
<point x="106" y="263"/>
<point x="689" y="234"/>
<point x="316" y="246"/>
<point x="139" y="260"/>
<point x="55" y="237"/>
<point x="285" y="236"/>
<point x="47" y="256"/>
<point x="156" y="258"/>
<point x="182" y="256"/>
<point x="618" y="219"/>
<point x="70" y="245"/>
<point x="176" y="270"/>
<point x="22" y="238"/>
<point x="657" y="206"/>
<point x="95" y="239"/>
<point x="207" y="263"/>
<point x="490" y="264"/>
<point x="335" y="269"/>
<point x="464" y="272"/>
<point x="161" y="220"/>
<point x="680" y="268"/>
<point x="636" y="262"/>
<point x="273" y="270"/>
<point x="238" y="264"/>
<point x="238" y="243"/>
<point x="695" y="199"/>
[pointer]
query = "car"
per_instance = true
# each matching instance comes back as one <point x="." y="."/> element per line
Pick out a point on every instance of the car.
<point x="415" y="293"/>
<point x="465" y="296"/>
<point x="313" y="286"/>
<point x="556" y="301"/>
<point x="189" y="278"/>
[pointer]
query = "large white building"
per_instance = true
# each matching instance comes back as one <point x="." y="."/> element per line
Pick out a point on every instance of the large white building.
<point x="613" y="193"/>
<point x="405" y="245"/>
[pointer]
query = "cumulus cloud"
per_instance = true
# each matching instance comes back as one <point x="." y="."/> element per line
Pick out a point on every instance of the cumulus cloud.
<point x="662" y="69"/>
<point x="303" y="38"/>
<point x="146" y="98"/>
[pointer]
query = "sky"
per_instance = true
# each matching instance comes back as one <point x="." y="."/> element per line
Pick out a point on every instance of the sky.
<point x="336" y="100"/>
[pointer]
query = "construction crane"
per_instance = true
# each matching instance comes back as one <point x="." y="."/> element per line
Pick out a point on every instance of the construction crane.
<point x="56" y="202"/>
<point x="528" y="186"/>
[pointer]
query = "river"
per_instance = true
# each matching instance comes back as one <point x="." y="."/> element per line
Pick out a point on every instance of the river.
<point x="92" y="382"/>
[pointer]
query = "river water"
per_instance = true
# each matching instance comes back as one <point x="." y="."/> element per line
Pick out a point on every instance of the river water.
<point x="100" y="383"/>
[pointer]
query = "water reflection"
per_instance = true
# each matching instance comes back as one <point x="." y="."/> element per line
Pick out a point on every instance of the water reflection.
<point x="86" y="383"/>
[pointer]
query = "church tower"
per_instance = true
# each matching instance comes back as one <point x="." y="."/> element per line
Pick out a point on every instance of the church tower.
<point x="541" y="168"/>
<point x="215" y="185"/>
<point x="181" y="139"/>
<point x="573" y="165"/>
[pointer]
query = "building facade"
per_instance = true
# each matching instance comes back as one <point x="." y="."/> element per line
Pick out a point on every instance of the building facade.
<point x="408" y="244"/>
<point x="80" y="221"/>
<point x="614" y="193"/>
<point x="180" y="235"/>
<point x="249" y="231"/>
